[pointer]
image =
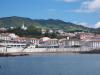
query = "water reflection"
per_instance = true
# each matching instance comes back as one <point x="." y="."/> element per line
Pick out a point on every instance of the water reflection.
<point x="0" y="67"/>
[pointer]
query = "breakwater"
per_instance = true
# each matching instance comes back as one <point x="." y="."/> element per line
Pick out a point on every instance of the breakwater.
<point x="30" y="51"/>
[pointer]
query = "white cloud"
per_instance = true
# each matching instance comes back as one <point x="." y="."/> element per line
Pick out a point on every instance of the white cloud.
<point x="89" y="6"/>
<point x="83" y="24"/>
<point x="82" y="11"/>
<point x="97" y="25"/>
<point x="68" y="1"/>
<point x="94" y="5"/>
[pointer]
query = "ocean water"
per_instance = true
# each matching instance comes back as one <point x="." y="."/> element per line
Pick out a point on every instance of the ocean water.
<point x="64" y="64"/>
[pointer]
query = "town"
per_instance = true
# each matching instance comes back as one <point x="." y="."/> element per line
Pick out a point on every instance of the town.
<point x="68" y="42"/>
<point x="49" y="37"/>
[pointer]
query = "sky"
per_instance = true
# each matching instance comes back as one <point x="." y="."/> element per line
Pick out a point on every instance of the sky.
<point x="84" y="12"/>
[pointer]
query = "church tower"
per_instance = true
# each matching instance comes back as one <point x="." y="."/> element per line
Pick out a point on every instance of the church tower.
<point x="23" y="27"/>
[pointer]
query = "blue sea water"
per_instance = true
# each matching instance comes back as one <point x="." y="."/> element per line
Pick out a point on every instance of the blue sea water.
<point x="67" y="64"/>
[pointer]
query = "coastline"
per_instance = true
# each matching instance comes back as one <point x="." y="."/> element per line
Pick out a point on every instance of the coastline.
<point x="47" y="53"/>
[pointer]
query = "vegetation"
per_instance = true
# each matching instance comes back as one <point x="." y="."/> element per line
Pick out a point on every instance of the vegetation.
<point x="35" y="26"/>
<point x="15" y="21"/>
<point x="32" y="31"/>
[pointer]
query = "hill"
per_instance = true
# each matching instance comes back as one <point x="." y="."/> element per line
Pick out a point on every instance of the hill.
<point x="15" y="21"/>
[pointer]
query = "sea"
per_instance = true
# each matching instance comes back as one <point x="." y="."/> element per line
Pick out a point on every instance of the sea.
<point x="51" y="64"/>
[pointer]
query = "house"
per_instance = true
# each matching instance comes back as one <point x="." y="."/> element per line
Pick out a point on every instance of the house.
<point x="85" y="36"/>
<point x="46" y="42"/>
<point x="43" y="31"/>
<point x="34" y="41"/>
<point x="8" y="36"/>
<point x="3" y="29"/>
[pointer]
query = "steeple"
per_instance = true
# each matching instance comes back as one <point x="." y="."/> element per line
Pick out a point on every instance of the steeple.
<point x="23" y="27"/>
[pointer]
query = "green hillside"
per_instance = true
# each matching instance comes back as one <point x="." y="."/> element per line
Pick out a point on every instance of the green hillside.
<point x="15" y="21"/>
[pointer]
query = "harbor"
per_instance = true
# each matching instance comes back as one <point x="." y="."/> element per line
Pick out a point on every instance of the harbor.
<point x="42" y="51"/>
<point x="12" y="44"/>
<point x="49" y="37"/>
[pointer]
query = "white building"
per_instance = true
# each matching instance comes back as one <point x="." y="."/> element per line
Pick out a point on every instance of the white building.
<point x="24" y="27"/>
<point x="46" y="42"/>
<point x="3" y="29"/>
<point x="34" y="41"/>
<point x="43" y="31"/>
<point x="8" y="36"/>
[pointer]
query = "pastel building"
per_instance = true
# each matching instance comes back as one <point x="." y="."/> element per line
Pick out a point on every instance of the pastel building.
<point x="46" y="42"/>
<point x="8" y="36"/>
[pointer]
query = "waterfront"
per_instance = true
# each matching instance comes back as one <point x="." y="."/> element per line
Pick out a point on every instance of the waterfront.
<point x="51" y="64"/>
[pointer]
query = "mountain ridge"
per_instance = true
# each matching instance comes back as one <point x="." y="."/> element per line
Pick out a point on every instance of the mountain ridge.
<point x="16" y="21"/>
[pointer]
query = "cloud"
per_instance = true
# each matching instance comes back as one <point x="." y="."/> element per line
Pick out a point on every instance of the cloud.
<point x="85" y="24"/>
<point x="97" y="25"/>
<point x="68" y="1"/>
<point x="94" y="5"/>
<point x="80" y="11"/>
<point x="89" y="6"/>
<point x="71" y="0"/>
